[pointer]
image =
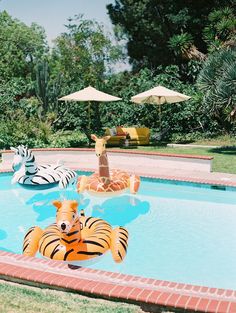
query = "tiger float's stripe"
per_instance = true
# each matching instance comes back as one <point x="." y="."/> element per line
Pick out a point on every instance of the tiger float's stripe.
<point x="31" y="174"/>
<point x="89" y="237"/>
<point x="120" y="236"/>
<point x="31" y="241"/>
<point x="93" y="240"/>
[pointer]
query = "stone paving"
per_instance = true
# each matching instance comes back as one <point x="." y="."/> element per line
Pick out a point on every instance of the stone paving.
<point x="139" y="165"/>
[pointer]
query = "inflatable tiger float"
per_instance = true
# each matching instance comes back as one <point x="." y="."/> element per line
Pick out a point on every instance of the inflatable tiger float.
<point x="107" y="182"/>
<point x="74" y="237"/>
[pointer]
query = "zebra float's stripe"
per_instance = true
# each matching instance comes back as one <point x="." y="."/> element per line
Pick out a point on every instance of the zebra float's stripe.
<point x="32" y="175"/>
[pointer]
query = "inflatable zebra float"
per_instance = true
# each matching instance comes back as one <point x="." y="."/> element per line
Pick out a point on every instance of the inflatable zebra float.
<point x="28" y="173"/>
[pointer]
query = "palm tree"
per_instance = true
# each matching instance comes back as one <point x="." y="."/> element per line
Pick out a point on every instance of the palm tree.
<point x="217" y="81"/>
<point x="182" y="45"/>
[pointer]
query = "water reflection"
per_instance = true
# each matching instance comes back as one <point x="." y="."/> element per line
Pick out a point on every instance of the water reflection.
<point x="121" y="210"/>
<point x="42" y="202"/>
<point x="3" y="234"/>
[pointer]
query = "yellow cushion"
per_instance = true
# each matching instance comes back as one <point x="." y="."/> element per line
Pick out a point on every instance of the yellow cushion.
<point x="133" y="131"/>
<point x="141" y="134"/>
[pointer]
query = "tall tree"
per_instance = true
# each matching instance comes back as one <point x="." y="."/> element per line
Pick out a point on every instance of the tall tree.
<point x="47" y="89"/>
<point x="83" y="56"/>
<point x="84" y="53"/>
<point x="161" y="31"/>
<point x="20" y="46"/>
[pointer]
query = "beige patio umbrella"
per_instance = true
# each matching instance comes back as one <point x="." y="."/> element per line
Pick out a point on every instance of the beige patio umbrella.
<point x="89" y="94"/>
<point x="159" y="95"/>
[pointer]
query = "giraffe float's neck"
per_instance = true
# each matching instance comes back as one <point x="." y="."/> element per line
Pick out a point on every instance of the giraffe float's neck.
<point x="74" y="235"/>
<point x="30" y="165"/>
<point x="104" y="168"/>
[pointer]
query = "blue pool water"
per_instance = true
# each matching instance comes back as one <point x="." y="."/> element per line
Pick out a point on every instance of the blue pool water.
<point x="178" y="232"/>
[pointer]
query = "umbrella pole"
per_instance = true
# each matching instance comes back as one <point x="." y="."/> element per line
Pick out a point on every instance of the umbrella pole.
<point x="89" y="117"/>
<point x="159" y="98"/>
<point x="89" y="122"/>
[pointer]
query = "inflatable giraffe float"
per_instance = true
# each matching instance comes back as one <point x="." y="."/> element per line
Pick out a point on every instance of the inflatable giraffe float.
<point x="107" y="182"/>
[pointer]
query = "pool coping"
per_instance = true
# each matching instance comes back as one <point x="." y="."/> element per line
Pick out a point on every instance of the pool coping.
<point x="140" y="152"/>
<point x="213" y="182"/>
<point x="200" y="181"/>
<point x="146" y="292"/>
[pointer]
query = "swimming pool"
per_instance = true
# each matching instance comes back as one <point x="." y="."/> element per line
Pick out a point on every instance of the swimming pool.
<point x="178" y="232"/>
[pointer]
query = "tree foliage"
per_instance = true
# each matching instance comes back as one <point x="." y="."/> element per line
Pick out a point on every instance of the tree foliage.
<point x="83" y="56"/>
<point x="177" y="118"/>
<point x="217" y="80"/>
<point x="84" y="53"/>
<point x="160" y="36"/>
<point x="166" y="32"/>
<point x="220" y="31"/>
<point x="47" y="89"/>
<point x="20" y="47"/>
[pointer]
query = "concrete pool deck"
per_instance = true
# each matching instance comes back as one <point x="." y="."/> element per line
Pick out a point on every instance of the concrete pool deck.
<point x="165" y="166"/>
<point x="149" y="293"/>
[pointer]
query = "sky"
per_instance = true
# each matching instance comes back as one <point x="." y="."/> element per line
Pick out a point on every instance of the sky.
<point x="53" y="14"/>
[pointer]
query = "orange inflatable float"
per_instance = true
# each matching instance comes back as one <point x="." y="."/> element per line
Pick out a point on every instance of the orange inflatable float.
<point x="75" y="238"/>
<point x="106" y="182"/>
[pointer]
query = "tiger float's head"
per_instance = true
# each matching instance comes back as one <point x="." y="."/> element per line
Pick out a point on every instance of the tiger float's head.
<point x="100" y="144"/>
<point x="67" y="215"/>
<point x="21" y="156"/>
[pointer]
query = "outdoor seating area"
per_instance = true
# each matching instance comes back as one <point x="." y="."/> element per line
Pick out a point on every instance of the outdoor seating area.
<point x="135" y="135"/>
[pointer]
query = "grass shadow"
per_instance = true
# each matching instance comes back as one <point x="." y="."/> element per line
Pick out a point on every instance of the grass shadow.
<point x="228" y="150"/>
<point x="157" y="143"/>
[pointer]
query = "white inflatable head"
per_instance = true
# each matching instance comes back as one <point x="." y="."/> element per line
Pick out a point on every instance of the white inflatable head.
<point x="22" y="153"/>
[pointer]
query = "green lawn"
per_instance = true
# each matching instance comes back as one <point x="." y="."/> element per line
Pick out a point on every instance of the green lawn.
<point x="15" y="298"/>
<point x="218" y="141"/>
<point x="224" y="157"/>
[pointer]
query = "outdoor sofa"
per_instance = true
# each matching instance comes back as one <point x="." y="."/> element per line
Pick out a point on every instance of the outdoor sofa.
<point x="136" y="135"/>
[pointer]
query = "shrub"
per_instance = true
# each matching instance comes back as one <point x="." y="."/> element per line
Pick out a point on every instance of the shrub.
<point x="217" y="83"/>
<point x="68" y="140"/>
<point x="20" y="130"/>
<point x="186" y="138"/>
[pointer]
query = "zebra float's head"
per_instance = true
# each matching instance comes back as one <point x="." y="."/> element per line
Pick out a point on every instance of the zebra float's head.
<point x="22" y="154"/>
<point x="67" y="214"/>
